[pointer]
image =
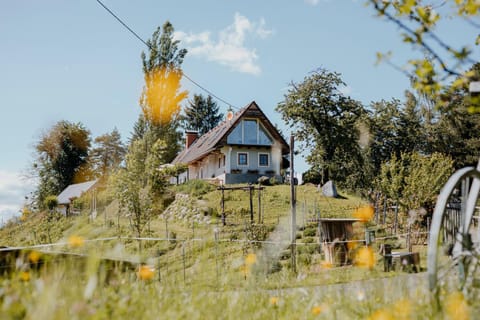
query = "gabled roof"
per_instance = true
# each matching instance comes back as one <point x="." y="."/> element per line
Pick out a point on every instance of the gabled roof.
<point x="74" y="191"/>
<point x="217" y="137"/>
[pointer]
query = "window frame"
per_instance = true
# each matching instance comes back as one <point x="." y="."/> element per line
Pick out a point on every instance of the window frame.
<point x="238" y="159"/>
<point x="268" y="159"/>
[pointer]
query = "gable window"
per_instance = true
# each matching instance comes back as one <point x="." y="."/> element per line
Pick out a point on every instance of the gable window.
<point x="249" y="131"/>
<point x="242" y="159"/>
<point x="263" y="160"/>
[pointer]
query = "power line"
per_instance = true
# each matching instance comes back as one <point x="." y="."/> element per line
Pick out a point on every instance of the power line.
<point x="150" y="47"/>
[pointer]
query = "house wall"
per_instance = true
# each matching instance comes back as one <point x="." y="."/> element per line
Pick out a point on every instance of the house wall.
<point x="274" y="156"/>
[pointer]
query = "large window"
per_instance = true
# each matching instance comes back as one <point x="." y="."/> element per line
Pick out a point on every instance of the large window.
<point x="242" y="159"/>
<point x="249" y="131"/>
<point x="263" y="160"/>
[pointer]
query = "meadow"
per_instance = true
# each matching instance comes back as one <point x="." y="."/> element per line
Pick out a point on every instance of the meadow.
<point x="188" y="265"/>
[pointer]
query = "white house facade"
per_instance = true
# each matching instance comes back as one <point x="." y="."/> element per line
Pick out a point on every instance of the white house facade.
<point x="238" y="150"/>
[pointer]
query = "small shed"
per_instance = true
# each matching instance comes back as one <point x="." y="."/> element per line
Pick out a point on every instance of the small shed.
<point x="334" y="234"/>
<point x="73" y="191"/>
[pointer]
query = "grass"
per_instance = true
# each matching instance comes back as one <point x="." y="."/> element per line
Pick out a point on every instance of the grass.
<point x="204" y="272"/>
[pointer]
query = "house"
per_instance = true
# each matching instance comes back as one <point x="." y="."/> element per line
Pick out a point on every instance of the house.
<point x="72" y="192"/>
<point x="240" y="149"/>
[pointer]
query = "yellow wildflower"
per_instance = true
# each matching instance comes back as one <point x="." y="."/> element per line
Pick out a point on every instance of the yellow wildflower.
<point x="402" y="309"/>
<point x="456" y="307"/>
<point x="76" y="241"/>
<point x="250" y="259"/>
<point x="365" y="257"/>
<point x="24" y="275"/>
<point x="145" y="272"/>
<point x="326" y="264"/>
<point x="245" y="270"/>
<point x="274" y="301"/>
<point x="365" y="213"/>
<point x="162" y="95"/>
<point x="381" y="315"/>
<point x="352" y="245"/>
<point x="34" y="256"/>
<point x="316" y="310"/>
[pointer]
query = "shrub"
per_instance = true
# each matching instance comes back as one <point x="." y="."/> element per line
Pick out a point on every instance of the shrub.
<point x="195" y="187"/>
<point x="310" y="232"/>
<point x="50" y="202"/>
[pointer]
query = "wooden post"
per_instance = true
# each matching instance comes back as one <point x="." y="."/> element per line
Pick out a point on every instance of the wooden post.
<point x="385" y="210"/>
<point x="166" y="227"/>
<point x="223" y="206"/>
<point x="293" y="204"/>
<point x="184" y="264"/>
<point x="259" y="205"/>
<point x="250" y="187"/>
<point x="320" y="240"/>
<point x="395" y="225"/>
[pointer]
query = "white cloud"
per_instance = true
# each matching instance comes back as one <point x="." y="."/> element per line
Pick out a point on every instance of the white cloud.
<point x="13" y="189"/>
<point x="312" y="2"/>
<point x="229" y="49"/>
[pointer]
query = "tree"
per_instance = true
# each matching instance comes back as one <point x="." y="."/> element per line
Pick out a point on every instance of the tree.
<point x="161" y="95"/>
<point x="108" y="153"/>
<point x="131" y="188"/>
<point x="163" y="51"/>
<point x="414" y="180"/>
<point x="201" y="114"/>
<point x="417" y="21"/>
<point x="62" y="158"/>
<point x="326" y="122"/>
<point x="457" y="131"/>
<point x="394" y="128"/>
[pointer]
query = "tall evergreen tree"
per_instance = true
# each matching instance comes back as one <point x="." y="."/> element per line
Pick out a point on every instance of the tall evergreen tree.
<point x="201" y="114"/>
<point x="108" y="153"/>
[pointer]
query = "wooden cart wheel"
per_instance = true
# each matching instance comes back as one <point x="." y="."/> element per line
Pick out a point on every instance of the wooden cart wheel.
<point x="453" y="250"/>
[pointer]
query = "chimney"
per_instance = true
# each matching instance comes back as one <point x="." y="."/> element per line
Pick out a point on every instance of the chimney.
<point x="191" y="136"/>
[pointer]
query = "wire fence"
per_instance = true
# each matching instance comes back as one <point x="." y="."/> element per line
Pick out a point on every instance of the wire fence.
<point x="212" y="261"/>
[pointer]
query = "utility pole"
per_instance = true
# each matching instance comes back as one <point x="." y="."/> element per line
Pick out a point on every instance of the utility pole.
<point x="293" y="205"/>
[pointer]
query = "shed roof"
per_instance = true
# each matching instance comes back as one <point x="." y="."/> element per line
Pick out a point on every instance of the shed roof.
<point x="216" y="137"/>
<point x="74" y="191"/>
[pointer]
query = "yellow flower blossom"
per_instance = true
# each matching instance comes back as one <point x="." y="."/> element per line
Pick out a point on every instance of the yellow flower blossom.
<point x="402" y="309"/>
<point x="245" y="270"/>
<point x="352" y="245"/>
<point x="317" y="310"/>
<point x="250" y="259"/>
<point x="365" y="213"/>
<point x="274" y="301"/>
<point x="326" y="264"/>
<point x="76" y="241"/>
<point x="381" y="314"/>
<point x="34" y="256"/>
<point x="146" y="272"/>
<point x="24" y="275"/>
<point x="456" y="307"/>
<point x="365" y="257"/>
<point x="161" y="96"/>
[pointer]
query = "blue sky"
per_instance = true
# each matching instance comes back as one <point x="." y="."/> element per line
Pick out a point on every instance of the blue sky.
<point x="71" y="60"/>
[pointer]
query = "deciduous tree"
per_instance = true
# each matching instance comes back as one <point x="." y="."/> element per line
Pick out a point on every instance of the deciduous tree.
<point x="62" y="158"/>
<point x="326" y="122"/>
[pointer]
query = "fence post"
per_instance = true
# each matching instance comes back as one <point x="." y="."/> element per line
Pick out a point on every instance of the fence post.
<point x="183" y="258"/>
<point x="216" y="255"/>
<point x="159" y="274"/>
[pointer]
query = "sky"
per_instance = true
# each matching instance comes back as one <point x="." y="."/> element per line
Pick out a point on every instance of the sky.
<point x="71" y="60"/>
